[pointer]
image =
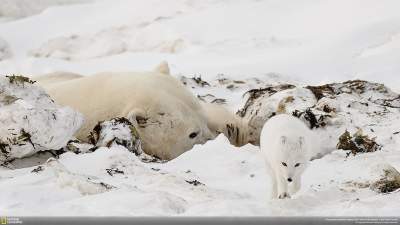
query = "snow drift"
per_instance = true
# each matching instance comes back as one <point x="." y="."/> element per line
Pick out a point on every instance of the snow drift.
<point x="14" y="9"/>
<point x="5" y="51"/>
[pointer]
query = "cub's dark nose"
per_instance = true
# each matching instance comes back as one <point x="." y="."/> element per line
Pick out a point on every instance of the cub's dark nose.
<point x="289" y="179"/>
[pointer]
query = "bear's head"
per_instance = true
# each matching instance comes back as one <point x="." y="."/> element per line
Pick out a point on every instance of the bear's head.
<point x="168" y="129"/>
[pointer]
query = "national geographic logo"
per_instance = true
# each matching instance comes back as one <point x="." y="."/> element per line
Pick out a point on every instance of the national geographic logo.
<point x="10" y="220"/>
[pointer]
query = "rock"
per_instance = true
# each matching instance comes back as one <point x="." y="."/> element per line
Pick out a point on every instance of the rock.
<point x="330" y="108"/>
<point x="389" y="182"/>
<point x="118" y="131"/>
<point x="265" y="103"/>
<point x="30" y="121"/>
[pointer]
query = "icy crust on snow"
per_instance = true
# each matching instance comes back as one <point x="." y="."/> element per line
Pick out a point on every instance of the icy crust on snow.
<point x="5" y="51"/>
<point x="31" y="121"/>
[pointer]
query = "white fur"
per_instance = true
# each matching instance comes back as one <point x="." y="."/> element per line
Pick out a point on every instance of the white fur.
<point x="285" y="139"/>
<point x="221" y="120"/>
<point x="170" y="112"/>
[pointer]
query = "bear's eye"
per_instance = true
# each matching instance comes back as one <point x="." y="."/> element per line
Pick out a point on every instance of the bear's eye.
<point x="284" y="164"/>
<point x="193" y="135"/>
<point x="297" y="164"/>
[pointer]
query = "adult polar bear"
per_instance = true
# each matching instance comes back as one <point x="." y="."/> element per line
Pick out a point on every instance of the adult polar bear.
<point x="170" y="120"/>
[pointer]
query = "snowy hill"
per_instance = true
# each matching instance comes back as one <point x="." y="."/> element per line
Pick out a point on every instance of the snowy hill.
<point x="246" y="51"/>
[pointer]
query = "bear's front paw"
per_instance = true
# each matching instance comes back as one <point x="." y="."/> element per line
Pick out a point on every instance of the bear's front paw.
<point x="283" y="195"/>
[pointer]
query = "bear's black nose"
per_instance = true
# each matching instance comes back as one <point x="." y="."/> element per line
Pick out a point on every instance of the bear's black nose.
<point x="289" y="179"/>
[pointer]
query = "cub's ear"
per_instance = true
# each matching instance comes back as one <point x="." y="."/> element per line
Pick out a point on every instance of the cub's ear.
<point x="163" y="68"/>
<point x="283" y="139"/>
<point x="301" y="140"/>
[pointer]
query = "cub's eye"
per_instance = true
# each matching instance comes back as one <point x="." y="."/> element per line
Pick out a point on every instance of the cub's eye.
<point x="297" y="164"/>
<point x="284" y="164"/>
<point x="193" y="135"/>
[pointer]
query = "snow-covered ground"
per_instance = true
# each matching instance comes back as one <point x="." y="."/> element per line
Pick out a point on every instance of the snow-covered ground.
<point x="263" y="42"/>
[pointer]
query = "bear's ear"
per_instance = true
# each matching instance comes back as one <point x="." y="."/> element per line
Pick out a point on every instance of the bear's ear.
<point x="162" y="68"/>
<point x="283" y="139"/>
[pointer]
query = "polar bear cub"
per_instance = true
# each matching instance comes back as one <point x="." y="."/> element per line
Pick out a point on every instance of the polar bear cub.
<point x="285" y="145"/>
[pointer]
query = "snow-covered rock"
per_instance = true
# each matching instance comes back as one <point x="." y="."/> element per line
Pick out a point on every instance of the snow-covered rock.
<point x="329" y="109"/>
<point x="118" y="131"/>
<point x="30" y="121"/>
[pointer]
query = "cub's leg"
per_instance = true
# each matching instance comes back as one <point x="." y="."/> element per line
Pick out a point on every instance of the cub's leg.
<point x="295" y="187"/>
<point x="282" y="187"/>
<point x="271" y="172"/>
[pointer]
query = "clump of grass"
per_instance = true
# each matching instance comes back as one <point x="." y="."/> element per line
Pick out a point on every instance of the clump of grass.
<point x="8" y="99"/>
<point x="357" y="143"/>
<point x="321" y="91"/>
<point x="18" y="79"/>
<point x="315" y="121"/>
<point x="200" y="81"/>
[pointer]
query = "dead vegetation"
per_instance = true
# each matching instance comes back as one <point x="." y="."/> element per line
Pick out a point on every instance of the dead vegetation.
<point x="194" y="182"/>
<point x="8" y="99"/>
<point x="314" y="120"/>
<point x="37" y="169"/>
<point x="20" y="80"/>
<point x="321" y="91"/>
<point x="357" y="143"/>
<point x="200" y="82"/>
<point x="348" y="87"/>
<point x="195" y="80"/>
<point x="113" y="171"/>
<point x="210" y="98"/>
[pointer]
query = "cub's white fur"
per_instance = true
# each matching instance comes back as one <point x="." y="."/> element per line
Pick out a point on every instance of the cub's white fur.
<point x="285" y="145"/>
